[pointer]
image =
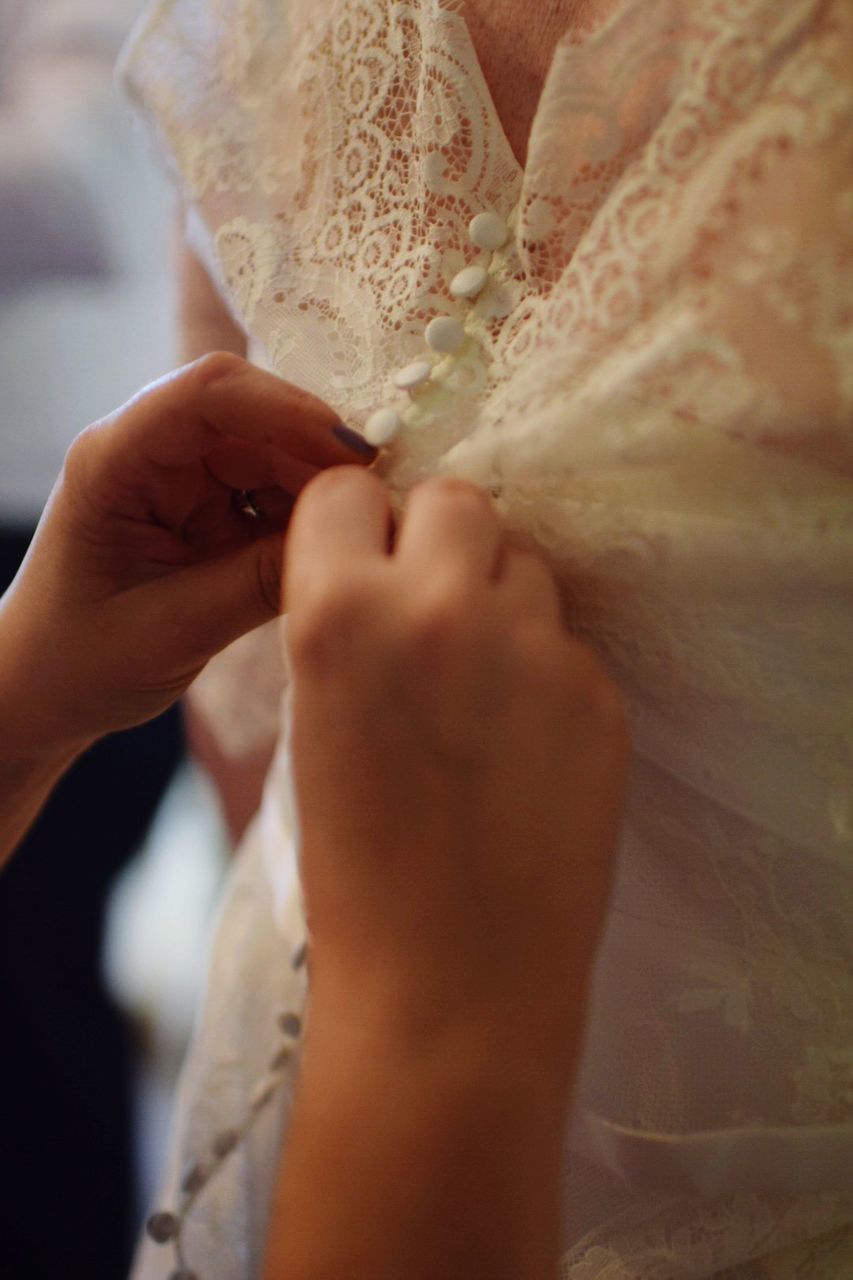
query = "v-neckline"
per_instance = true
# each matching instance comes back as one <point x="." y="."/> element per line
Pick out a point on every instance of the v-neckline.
<point x="457" y="9"/>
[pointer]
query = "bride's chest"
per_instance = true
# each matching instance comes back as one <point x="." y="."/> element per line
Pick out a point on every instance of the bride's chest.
<point x="514" y="43"/>
<point x="367" y="146"/>
<point x="339" y="197"/>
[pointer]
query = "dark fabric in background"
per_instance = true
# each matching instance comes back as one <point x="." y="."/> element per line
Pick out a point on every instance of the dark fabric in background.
<point x="67" y="1193"/>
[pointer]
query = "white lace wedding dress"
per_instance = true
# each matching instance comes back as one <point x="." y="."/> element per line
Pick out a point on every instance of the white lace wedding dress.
<point x="657" y="384"/>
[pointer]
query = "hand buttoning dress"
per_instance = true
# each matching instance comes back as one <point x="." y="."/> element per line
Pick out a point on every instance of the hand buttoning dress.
<point x="656" y="382"/>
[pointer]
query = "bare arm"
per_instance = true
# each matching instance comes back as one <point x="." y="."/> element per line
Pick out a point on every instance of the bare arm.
<point x="141" y="570"/>
<point x="404" y="1163"/>
<point x="205" y="325"/>
<point x="459" y="764"/>
<point x="27" y="777"/>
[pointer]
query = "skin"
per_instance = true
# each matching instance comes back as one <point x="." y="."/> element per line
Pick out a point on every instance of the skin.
<point x="460" y="768"/>
<point x="444" y="1158"/>
<point x="142" y="568"/>
<point x="515" y="46"/>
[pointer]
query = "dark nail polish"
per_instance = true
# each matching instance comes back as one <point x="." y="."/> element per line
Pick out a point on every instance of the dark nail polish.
<point x="354" y="441"/>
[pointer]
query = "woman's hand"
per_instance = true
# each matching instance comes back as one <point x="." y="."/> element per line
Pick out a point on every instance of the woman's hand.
<point x="460" y="765"/>
<point x="143" y="566"/>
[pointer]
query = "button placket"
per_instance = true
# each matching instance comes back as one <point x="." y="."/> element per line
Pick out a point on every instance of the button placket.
<point x="469" y="283"/>
<point x="382" y="426"/>
<point x="445" y="335"/>
<point x="413" y="376"/>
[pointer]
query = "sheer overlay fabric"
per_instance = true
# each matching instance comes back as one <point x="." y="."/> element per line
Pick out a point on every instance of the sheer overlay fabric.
<point x="657" y="385"/>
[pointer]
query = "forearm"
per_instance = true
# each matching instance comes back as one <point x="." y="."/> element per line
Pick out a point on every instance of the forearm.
<point x="419" y="1166"/>
<point x="37" y="744"/>
<point x="204" y="324"/>
<point x="25" y="785"/>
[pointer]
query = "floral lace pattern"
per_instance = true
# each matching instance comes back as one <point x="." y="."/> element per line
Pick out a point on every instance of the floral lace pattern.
<point x="658" y="385"/>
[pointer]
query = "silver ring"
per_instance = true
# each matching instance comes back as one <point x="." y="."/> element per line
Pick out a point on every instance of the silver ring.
<point x="246" y="505"/>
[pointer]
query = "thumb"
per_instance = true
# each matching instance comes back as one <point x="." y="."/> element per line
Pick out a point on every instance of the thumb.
<point x="214" y="603"/>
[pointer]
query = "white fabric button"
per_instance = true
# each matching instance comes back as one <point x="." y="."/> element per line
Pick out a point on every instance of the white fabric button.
<point x="382" y="426"/>
<point x="225" y="1142"/>
<point x="413" y="376"/>
<point x="162" y="1227"/>
<point x="445" y="334"/>
<point x="290" y="1024"/>
<point x="470" y="282"/>
<point x="282" y="1059"/>
<point x="193" y="1178"/>
<point x="488" y="231"/>
<point x="262" y="1093"/>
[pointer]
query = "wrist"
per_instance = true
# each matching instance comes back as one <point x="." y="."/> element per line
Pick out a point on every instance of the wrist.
<point x="434" y="1105"/>
<point x="437" y="1045"/>
<point x="445" y="1162"/>
<point x="37" y="738"/>
<point x="508" y="1021"/>
<point x="29" y="770"/>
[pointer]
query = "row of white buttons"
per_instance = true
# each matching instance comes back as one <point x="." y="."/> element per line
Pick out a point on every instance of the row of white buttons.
<point x="445" y="334"/>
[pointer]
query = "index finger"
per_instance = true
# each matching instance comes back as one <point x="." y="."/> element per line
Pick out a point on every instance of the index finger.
<point x="343" y="517"/>
<point x="185" y="415"/>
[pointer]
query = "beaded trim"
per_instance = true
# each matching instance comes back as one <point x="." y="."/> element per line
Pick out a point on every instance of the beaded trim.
<point x="166" y="1226"/>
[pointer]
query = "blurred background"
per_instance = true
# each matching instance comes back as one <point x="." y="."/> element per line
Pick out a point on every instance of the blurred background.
<point x="104" y="912"/>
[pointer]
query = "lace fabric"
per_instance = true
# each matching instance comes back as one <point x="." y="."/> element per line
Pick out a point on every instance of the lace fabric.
<point x="657" y="385"/>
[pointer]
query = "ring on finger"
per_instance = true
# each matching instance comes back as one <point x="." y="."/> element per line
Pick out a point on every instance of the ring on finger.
<point x="246" y="505"/>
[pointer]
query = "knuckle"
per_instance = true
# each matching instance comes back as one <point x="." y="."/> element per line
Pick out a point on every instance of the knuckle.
<point x="460" y="492"/>
<point x="79" y="456"/>
<point x="338" y="480"/>
<point x="344" y="482"/>
<point x="215" y="366"/>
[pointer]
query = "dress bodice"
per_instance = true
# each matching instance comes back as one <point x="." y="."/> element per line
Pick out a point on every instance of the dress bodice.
<point x="655" y="382"/>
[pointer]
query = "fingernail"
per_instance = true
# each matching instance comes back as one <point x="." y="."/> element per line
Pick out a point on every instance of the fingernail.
<point x="354" y="441"/>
